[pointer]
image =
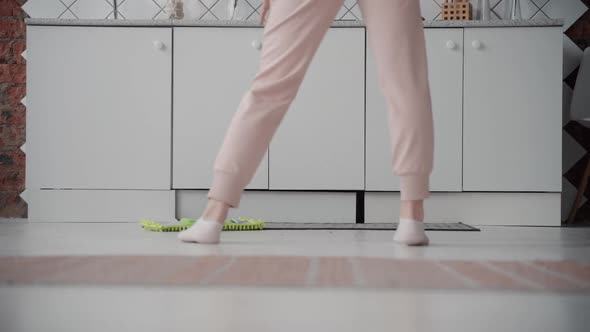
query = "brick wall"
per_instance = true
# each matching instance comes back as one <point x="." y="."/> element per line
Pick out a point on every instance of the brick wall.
<point x="12" y="112"/>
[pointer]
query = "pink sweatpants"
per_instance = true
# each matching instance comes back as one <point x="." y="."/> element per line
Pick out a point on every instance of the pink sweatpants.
<point x="292" y="34"/>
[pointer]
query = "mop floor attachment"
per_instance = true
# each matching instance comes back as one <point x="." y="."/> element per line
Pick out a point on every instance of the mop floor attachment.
<point x="234" y="224"/>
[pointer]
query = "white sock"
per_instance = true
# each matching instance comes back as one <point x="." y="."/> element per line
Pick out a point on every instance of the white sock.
<point x="411" y="232"/>
<point x="203" y="231"/>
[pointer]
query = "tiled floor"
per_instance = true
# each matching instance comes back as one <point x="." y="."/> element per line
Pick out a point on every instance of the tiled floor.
<point x="297" y="272"/>
<point x="117" y="277"/>
<point x="492" y="243"/>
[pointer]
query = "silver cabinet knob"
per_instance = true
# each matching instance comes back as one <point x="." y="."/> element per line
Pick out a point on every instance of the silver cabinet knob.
<point x="159" y="45"/>
<point x="451" y="45"/>
<point x="476" y="44"/>
<point x="257" y="44"/>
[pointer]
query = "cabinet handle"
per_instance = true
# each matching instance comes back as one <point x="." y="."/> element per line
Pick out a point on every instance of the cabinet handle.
<point x="451" y="45"/>
<point x="476" y="44"/>
<point x="257" y="44"/>
<point x="159" y="45"/>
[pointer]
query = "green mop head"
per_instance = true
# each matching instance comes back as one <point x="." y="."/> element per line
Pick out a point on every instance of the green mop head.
<point x="157" y="227"/>
<point x="236" y="224"/>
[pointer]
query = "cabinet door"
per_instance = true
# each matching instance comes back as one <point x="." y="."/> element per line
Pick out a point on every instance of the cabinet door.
<point x="213" y="68"/>
<point x="320" y="143"/>
<point x="444" y="49"/>
<point x="513" y="118"/>
<point x="99" y="107"/>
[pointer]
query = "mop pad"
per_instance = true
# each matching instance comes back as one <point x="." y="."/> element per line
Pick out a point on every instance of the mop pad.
<point x="234" y="224"/>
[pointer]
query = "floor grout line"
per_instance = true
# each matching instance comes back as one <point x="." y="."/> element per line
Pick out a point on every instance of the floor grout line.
<point x="511" y="275"/>
<point x="312" y="272"/>
<point x="468" y="282"/>
<point x="217" y="273"/>
<point x="555" y="274"/>
<point x="128" y="270"/>
<point x="357" y="274"/>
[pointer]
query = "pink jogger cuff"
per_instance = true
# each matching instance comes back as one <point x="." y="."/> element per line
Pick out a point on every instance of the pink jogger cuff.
<point x="226" y="188"/>
<point x="414" y="187"/>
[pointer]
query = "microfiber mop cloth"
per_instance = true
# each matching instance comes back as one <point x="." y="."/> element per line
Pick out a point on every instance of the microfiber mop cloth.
<point x="235" y="224"/>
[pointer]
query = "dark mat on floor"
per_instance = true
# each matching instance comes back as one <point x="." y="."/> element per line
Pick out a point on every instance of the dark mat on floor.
<point x="374" y="226"/>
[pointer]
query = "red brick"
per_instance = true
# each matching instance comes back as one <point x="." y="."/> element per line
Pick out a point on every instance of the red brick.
<point x="12" y="205"/>
<point x="12" y="135"/>
<point x="3" y="93"/>
<point x="13" y="115"/>
<point x="13" y="73"/>
<point x="12" y="28"/>
<point x="16" y="94"/>
<point x="9" y="8"/>
<point x="17" y="49"/>
<point x="12" y="159"/>
<point x="12" y="180"/>
<point x="10" y="52"/>
<point x="5" y="54"/>
<point x="7" y="115"/>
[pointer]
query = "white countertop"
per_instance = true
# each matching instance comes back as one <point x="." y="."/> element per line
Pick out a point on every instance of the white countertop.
<point x="235" y="23"/>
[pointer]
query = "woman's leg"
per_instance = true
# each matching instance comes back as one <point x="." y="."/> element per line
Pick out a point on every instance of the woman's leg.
<point x="396" y="36"/>
<point x="292" y="34"/>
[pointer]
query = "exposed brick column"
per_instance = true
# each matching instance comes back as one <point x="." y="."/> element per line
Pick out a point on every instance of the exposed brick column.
<point x="12" y="112"/>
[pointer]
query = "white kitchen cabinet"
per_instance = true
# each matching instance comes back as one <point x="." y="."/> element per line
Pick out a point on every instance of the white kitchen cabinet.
<point x="512" y="109"/>
<point x="100" y="205"/>
<point x="213" y="68"/>
<point x="122" y="118"/>
<point x="320" y="143"/>
<point x="445" y="66"/>
<point x="98" y="112"/>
